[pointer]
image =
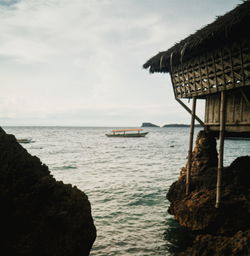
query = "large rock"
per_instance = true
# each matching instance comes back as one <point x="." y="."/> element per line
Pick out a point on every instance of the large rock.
<point x="196" y="211"/>
<point x="39" y="215"/>
<point x="206" y="245"/>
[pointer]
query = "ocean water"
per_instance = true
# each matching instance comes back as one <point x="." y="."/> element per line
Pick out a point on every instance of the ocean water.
<point x="126" y="180"/>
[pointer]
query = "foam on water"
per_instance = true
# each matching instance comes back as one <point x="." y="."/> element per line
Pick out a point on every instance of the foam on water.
<point x="126" y="180"/>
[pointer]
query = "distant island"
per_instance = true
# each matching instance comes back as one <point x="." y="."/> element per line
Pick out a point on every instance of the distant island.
<point x="149" y="125"/>
<point x="180" y="125"/>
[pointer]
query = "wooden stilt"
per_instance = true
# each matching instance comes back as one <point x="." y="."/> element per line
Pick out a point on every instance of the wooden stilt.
<point x="221" y="149"/>
<point x="191" y="137"/>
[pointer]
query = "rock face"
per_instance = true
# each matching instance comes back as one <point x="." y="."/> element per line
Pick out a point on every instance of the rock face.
<point x="227" y="227"/>
<point x="39" y="215"/>
<point x="206" y="245"/>
<point x="149" y="125"/>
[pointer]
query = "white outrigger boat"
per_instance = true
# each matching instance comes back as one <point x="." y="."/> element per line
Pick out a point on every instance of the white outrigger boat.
<point x="127" y="133"/>
<point x="24" y="140"/>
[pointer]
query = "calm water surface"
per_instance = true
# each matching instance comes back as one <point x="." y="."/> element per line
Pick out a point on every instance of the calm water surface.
<point x="126" y="180"/>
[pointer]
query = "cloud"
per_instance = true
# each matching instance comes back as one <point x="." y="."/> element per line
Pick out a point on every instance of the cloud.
<point x="73" y="58"/>
<point x="8" y="2"/>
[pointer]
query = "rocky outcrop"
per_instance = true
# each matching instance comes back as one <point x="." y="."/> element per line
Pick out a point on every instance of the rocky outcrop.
<point x="149" y="125"/>
<point x="206" y="245"/>
<point x="39" y="215"/>
<point x="204" y="154"/>
<point x="196" y="211"/>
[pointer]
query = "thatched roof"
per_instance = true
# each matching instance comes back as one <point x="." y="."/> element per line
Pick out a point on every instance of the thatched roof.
<point x="232" y="27"/>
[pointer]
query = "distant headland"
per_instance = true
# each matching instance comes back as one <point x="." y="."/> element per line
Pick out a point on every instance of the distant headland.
<point x="180" y="125"/>
<point x="167" y="125"/>
<point x="149" y="125"/>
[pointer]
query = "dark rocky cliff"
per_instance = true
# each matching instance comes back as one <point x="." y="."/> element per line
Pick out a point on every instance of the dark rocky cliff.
<point x="39" y="215"/>
<point x="223" y="231"/>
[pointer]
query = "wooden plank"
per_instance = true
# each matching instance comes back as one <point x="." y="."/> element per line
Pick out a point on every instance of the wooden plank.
<point x="242" y="65"/>
<point x="230" y="108"/>
<point x="215" y="74"/>
<point x="216" y="109"/>
<point x="200" y="75"/>
<point x="233" y="111"/>
<point x="207" y="75"/>
<point x="230" y="128"/>
<point x="232" y="69"/>
<point x="213" y="109"/>
<point x="246" y="123"/>
<point x="223" y="69"/>
<point x="183" y="80"/>
<point x="194" y="81"/>
<point x="241" y="109"/>
<point x="189" y="81"/>
<point x="174" y="88"/>
<point x="245" y="97"/>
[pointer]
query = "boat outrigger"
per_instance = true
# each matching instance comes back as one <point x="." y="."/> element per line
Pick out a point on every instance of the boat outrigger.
<point x="127" y="133"/>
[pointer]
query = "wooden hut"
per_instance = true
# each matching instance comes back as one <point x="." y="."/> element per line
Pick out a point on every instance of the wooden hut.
<point x="213" y="64"/>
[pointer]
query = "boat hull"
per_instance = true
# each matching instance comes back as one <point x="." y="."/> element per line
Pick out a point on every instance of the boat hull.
<point x="24" y="140"/>
<point x="131" y="135"/>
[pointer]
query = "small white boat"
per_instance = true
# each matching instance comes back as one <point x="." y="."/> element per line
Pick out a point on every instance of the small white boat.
<point x="24" y="140"/>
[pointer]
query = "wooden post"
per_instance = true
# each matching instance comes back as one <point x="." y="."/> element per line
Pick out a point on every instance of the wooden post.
<point x="191" y="136"/>
<point x="221" y="149"/>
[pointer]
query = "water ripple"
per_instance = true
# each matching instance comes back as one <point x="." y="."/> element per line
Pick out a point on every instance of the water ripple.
<point x="126" y="181"/>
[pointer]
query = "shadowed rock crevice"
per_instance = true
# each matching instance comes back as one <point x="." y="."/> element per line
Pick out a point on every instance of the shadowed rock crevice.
<point x="196" y="211"/>
<point x="39" y="215"/>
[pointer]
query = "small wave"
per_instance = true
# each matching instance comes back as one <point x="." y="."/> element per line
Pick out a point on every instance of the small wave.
<point x="65" y="167"/>
<point x="36" y="147"/>
<point x="146" y="200"/>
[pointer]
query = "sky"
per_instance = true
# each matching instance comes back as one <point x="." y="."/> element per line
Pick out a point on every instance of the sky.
<point x="79" y="62"/>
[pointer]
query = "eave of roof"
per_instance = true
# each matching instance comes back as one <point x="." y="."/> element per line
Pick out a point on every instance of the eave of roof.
<point x="232" y="27"/>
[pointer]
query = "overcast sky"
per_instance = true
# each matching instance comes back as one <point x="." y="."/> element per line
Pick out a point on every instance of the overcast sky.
<point x="79" y="62"/>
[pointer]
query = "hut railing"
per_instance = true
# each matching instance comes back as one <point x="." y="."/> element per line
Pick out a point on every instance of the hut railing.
<point x="221" y="70"/>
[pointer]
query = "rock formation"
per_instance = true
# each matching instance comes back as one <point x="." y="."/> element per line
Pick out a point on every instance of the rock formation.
<point x="39" y="215"/>
<point x="149" y="125"/>
<point x="223" y="231"/>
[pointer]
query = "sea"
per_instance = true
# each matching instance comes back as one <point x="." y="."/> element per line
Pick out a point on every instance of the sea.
<point x="125" y="179"/>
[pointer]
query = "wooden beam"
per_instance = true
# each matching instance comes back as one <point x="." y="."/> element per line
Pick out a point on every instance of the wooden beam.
<point x="232" y="66"/>
<point x="245" y="97"/>
<point x="221" y="149"/>
<point x="223" y="70"/>
<point x="191" y="138"/>
<point x="215" y="73"/>
<point x="207" y="73"/>
<point x="242" y="66"/>
<point x="190" y="111"/>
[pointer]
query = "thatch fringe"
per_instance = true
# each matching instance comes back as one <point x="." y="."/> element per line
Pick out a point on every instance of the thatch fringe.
<point x="232" y="27"/>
